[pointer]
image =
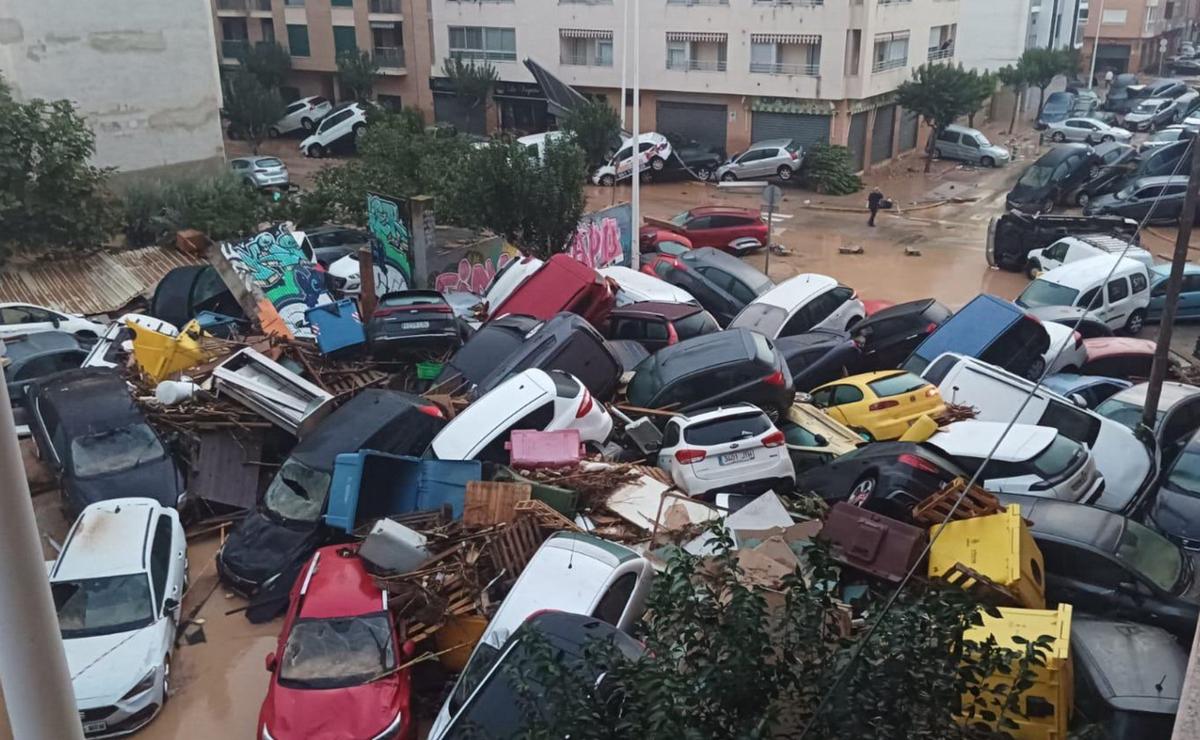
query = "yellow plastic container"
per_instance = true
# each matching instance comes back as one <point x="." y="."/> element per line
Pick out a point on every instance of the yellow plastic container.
<point x="1047" y="704"/>
<point x="459" y="635"/>
<point x="999" y="547"/>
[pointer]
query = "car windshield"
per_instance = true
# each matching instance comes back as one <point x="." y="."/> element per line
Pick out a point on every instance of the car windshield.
<point x="646" y="382"/>
<point x="1168" y="135"/>
<point x="1122" y="412"/>
<point x="1150" y="554"/>
<point x="1185" y="475"/>
<point x="1038" y="175"/>
<point x="761" y="317"/>
<point x="102" y="606"/>
<point x="114" y="450"/>
<point x="297" y="492"/>
<point x="896" y="384"/>
<point x="1058" y="458"/>
<point x="332" y="653"/>
<point x="728" y="429"/>
<point x="1046" y="293"/>
<point x="680" y="219"/>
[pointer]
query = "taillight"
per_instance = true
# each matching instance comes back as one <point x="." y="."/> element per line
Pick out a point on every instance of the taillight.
<point x="794" y="155"/>
<point x="930" y="327"/>
<point x="775" y="378"/>
<point x="881" y="405"/>
<point x="919" y="463"/>
<point x="689" y="456"/>
<point x="774" y="439"/>
<point x="672" y="335"/>
<point x="1078" y="340"/>
<point x="931" y="392"/>
<point x="433" y="411"/>
<point x="585" y="405"/>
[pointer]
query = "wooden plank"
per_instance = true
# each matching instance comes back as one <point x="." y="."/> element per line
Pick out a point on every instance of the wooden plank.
<point x="493" y="502"/>
<point x="937" y="506"/>
<point x="222" y="473"/>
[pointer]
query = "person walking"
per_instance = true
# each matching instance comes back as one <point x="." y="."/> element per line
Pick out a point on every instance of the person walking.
<point x="1108" y="80"/>
<point x="874" y="202"/>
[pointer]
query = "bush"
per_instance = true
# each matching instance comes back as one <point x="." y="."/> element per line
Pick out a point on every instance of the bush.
<point x="222" y="207"/>
<point x="828" y="170"/>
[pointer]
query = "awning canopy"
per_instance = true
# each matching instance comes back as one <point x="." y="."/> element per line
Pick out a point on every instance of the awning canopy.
<point x="719" y="38"/>
<point x="560" y="97"/>
<point x="894" y="36"/>
<point x="807" y="39"/>
<point x="585" y="33"/>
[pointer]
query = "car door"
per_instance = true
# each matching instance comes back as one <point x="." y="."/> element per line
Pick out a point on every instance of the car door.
<point x="1054" y="255"/>
<point x="1170" y="206"/>
<point x="21" y="319"/>
<point x="1083" y="578"/>
<point x="1119" y="302"/>
<point x="700" y="230"/>
<point x="947" y="145"/>
<point x="1189" y="296"/>
<point x="1140" y="203"/>
<point x="970" y="148"/>
<point x="753" y="163"/>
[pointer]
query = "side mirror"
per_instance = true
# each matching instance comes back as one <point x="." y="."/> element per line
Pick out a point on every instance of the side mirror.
<point x="270" y="662"/>
<point x="55" y="321"/>
<point x="1078" y="400"/>
<point x="409" y="648"/>
<point x="169" y="605"/>
<point x="820" y="440"/>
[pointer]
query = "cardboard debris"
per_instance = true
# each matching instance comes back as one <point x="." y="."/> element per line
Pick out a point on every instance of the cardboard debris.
<point x="638" y="503"/>
<point x="763" y="513"/>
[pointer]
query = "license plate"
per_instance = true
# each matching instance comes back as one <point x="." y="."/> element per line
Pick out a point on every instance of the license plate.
<point x="729" y="458"/>
<point x="414" y="325"/>
<point x="91" y="727"/>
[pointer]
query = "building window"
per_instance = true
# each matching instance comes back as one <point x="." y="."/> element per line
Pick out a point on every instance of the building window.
<point x="344" y="40"/>
<point x="267" y="30"/>
<point x="388" y="44"/>
<point x="696" y="52"/>
<point x="298" y="40"/>
<point x="584" y="47"/>
<point x="1114" y="17"/>
<point x="1169" y="11"/>
<point x="294" y="3"/>
<point x="389" y="102"/>
<point x="785" y="54"/>
<point x="483" y="43"/>
<point x="941" y="41"/>
<point x="342" y="3"/>
<point x="891" y="51"/>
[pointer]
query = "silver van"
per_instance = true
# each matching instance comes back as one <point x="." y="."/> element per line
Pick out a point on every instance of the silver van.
<point x="969" y="145"/>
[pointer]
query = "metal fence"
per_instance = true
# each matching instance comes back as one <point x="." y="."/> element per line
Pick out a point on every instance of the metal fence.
<point x="695" y="65"/>
<point x="389" y="56"/>
<point x="937" y="52"/>
<point x="584" y="60"/>
<point x="771" y="68"/>
<point x="885" y="64"/>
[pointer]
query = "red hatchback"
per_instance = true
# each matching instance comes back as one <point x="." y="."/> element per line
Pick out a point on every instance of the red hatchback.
<point x="334" y="673"/>
<point x="562" y="284"/>
<point x="720" y="227"/>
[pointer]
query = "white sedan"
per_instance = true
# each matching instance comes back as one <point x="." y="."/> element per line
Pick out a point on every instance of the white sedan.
<point x="1087" y="130"/>
<point x="26" y="318"/>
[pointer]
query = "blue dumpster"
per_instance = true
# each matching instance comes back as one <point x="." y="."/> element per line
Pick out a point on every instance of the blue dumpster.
<point x="368" y="485"/>
<point x="337" y="326"/>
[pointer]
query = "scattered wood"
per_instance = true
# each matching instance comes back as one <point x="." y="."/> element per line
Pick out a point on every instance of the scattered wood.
<point x="851" y="249"/>
<point x="912" y="252"/>
<point x="982" y="588"/>
<point x="934" y="509"/>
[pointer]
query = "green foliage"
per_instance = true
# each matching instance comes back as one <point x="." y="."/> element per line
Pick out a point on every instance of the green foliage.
<point x="51" y="197"/>
<point x="1015" y="79"/>
<point x="356" y="72"/>
<point x="472" y="82"/>
<point x="268" y="62"/>
<point x="595" y="126"/>
<point x="983" y="86"/>
<point x="221" y="207"/>
<point x="1040" y="67"/>
<point x="940" y="94"/>
<point x="828" y="169"/>
<point x="252" y="108"/>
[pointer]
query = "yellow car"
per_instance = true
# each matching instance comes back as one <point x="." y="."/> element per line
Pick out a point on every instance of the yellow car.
<point x="883" y="404"/>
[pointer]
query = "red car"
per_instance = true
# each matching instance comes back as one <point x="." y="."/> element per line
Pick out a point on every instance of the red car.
<point x="1118" y="357"/>
<point x="720" y="227"/>
<point x="654" y="239"/>
<point x="333" y="674"/>
<point x="562" y="284"/>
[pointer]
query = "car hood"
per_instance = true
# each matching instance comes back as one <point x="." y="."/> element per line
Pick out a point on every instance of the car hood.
<point x="1027" y="193"/>
<point x="103" y="668"/>
<point x="350" y="713"/>
<point x="261" y="547"/>
<point x="158" y="480"/>
<point x="346" y="267"/>
<point x="1136" y="117"/>
<point x="1177" y="514"/>
<point x="1108" y="200"/>
<point x="1125" y="464"/>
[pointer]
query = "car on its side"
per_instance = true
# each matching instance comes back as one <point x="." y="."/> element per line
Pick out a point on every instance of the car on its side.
<point x="1112" y="287"/>
<point x="634" y="286"/>
<point x="799" y="304"/>
<point x="969" y="145"/>
<point x="413" y="320"/>
<point x="339" y="129"/>
<point x="880" y="405"/>
<point x="655" y="324"/>
<point x="887" y="336"/>
<point x="691" y="159"/>
<point x="1087" y="323"/>
<point x="260" y="172"/>
<point x="117" y="586"/>
<point x="1086" y="130"/>
<point x="780" y="158"/>
<point x="1128" y="358"/>
<point x="1011" y="236"/>
<point x="991" y="329"/>
<point x="1150" y="114"/>
<point x="1056" y="107"/>
<point x="1117" y="162"/>
<point x="722" y="283"/>
<point x="336" y="667"/>
<point x="303" y="114"/>
<point x="1155" y="200"/>
<point x="818" y="356"/>
<point x="729" y="449"/>
<point x="561" y="284"/>
<point x="26" y="318"/>
<point x="653" y="151"/>
<point x="1086" y="391"/>
<point x="1188" y="306"/>
<point x="1050" y="179"/>
<point x="728" y="228"/>
<point x="32" y="356"/>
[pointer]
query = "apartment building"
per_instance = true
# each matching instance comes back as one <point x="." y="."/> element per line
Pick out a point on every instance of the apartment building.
<point x="1137" y="35"/>
<point x="992" y="35"/>
<point x="721" y="72"/>
<point x="315" y="31"/>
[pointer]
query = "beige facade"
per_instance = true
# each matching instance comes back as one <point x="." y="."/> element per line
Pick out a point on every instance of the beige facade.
<point x="1132" y="33"/>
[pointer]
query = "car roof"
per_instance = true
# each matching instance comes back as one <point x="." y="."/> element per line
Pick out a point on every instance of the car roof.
<point x="1054" y="313"/>
<point x="1134" y="667"/>
<point x="24" y="346"/>
<point x="962" y="129"/>
<point x="809" y="339"/>
<point x="724" y="210"/>
<point x="1156" y="101"/>
<point x="797" y="290"/>
<point x="1165" y="269"/>
<point x="708" y="414"/>
<point x="1172" y="393"/>
<point x="669" y="311"/>
<point x="717" y="348"/>
<point x="1090" y="270"/>
<point x="1142" y="182"/>
<point x="862" y="380"/>
<point x="976" y="438"/>
<point x="964" y="333"/>
<point x="1066" y="383"/>
<point x="339" y="585"/>
<point x="1061" y="152"/>
<point x="1108" y="146"/>
<point x="1098" y="347"/>
<point x="91" y="396"/>
<point x="109" y="538"/>
<point x="919" y="306"/>
<point x="768" y="143"/>
<point x="1069" y="521"/>
<point x="743" y="271"/>
<point x="353" y="424"/>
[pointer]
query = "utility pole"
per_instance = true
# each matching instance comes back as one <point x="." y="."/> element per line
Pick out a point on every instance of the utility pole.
<point x="635" y="254"/>
<point x="1095" y="44"/>
<point x="33" y="667"/>
<point x="624" y="56"/>
<point x="1158" y="371"/>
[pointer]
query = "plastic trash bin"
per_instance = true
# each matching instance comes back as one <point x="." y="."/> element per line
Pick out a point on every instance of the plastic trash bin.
<point x="337" y="326"/>
<point x="998" y="546"/>
<point x="533" y="449"/>
<point x="873" y="543"/>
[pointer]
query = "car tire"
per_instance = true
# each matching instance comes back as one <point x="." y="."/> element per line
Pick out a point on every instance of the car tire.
<point x="1058" y="137"/>
<point x="1032" y="269"/>
<point x="1047" y="206"/>
<point x="704" y="174"/>
<point x="608" y="181"/>
<point x="657" y="164"/>
<point x="248" y="182"/>
<point x="987" y="162"/>
<point x="273" y="133"/>
<point x="728" y="177"/>
<point x="852" y="322"/>
<point x="784" y="172"/>
<point x="316" y="151"/>
<point x="1036" y="369"/>
<point x="1082" y="199"/>
<point x="1135" y="323"/>
<point x="308" y="125"/>
<point x="1107" y="139"/>
<point x="358" y="130"/>
<point x="862" y="490"/>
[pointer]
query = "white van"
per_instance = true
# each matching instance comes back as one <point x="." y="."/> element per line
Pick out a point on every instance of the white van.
<point x="997" y="395"/>
<point x="1118" y="295"/>
<point x="1075" y="248"/>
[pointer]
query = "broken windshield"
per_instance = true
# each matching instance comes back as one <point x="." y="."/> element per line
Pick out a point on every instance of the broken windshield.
<point x="102" y="606"/>
<point x="331" y="653"/>
<point x="114" y="450"/>
<point x="297" y="492"/>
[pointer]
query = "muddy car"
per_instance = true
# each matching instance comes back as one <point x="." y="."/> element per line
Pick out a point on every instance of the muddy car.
<point x="1012" y="236"/>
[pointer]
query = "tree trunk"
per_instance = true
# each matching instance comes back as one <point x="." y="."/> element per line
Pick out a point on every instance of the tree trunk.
<point x="1041" y="97"/>
<point x="971" y="119"/>
<point x="1016" y="106"/>
<point x="933" y="132"/>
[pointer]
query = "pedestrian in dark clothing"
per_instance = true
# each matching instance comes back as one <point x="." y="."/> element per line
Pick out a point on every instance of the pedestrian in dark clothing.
<point x="874" y="200"/>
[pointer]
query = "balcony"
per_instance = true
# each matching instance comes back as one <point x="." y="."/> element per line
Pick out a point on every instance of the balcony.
<point x="584" y="60"/>
<point x="237" y="6"/>
<point x="780" y="68"/>
<point x="894" y="2"/>
<point x="697" y="2"/>
<point x="938" y="53"/>
<point x="695" y="65"/>
<point x="585" y="2"/>
<point x="792" y="3"/>
<point x="883" y="65"/>
<point x="261" y="5"/>
<point x="234" y="48"/>
<point x="389" y="57"/>
<point x="389" y="7"/>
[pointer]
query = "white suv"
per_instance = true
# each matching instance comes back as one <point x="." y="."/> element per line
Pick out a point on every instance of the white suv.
<point x="653" y="152"/>
<point x="341" y="125"/>
<point x="304" y="113"/>
<point x="117" y="586"/>
<point x="732" y="449"/>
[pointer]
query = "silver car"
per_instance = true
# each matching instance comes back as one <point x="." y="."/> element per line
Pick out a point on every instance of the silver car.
<point x="772" y="158"/>
<point x="969" y="145"/>
<point x="1087" y="130"/>
<point x="260" y="172"/>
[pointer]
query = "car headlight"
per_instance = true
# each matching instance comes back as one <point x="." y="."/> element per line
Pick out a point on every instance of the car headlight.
<point x="141" y="686"/>
<point x="392" y="731"/>
<point x="266" y="735"/>
<point x="267" y="583"/>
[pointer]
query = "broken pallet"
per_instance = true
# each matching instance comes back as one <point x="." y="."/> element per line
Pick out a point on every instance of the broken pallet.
<point x="982" y="588"/>
<point x="937" y="507"/>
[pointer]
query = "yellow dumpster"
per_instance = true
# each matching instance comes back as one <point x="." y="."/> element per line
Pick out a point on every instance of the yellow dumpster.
<point x="160" y="355"/>
<point x="1045" y="706"/>
<point x="998" y="546"/>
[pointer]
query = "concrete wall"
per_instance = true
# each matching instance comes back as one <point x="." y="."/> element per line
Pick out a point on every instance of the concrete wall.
<point x="143" y="73"/>
<point x="991" y="35"/>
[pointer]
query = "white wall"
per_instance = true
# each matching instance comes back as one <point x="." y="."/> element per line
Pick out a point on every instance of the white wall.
<point x="992" y="34"/>
<point x="143" y="72"/>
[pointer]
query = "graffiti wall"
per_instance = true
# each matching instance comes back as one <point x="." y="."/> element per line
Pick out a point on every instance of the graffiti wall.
<point x="605" y="237"/>
<point x="388" y="223"/>
<point x="272" y="261"/>
<point x="467" y="264"/>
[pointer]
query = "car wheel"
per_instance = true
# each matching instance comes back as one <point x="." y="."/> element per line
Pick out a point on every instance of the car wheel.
<point x="784" y="172"/>
<point x="273" y="133"/>
<point x="1047" y="206"/>
<point x="316" y="151"/>
<point x="307" y="124"/>
<point x="987" y="162"/>
<point x="704" y="174"/>
<point x="728" y="177"/>
<point x="358" y="130"/>
<point x="657" y="164"/>
<point x="1058" y="136"/>
<point x="166" y="681"/>
<point x="1033" y="269"/>
<point x="646" y="176"/>
<point x="1135" y="322"/>
<point x="1107" y="139"/>
<point x="1082" y="199"/>
<point x="248" y="182"/>
<point x="862" y="490"/>
<point x="608" y="181"/>
<point x="1036" y="368"/>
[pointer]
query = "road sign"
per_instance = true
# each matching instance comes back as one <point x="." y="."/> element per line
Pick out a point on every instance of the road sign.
<point x="1162" y="44"/>
<point x="772" y="195"/>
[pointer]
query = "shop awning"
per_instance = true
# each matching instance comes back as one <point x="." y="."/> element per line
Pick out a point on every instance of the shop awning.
<point x="718" y="38"/>
<point x="560" y="97"/>
<point x="807" y="39"/>
<point x="585" y="33"/>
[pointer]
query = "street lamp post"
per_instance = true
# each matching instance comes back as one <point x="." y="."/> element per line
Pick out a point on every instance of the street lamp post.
<point x="636" y="170"/>
<point x="1095" y="42"/>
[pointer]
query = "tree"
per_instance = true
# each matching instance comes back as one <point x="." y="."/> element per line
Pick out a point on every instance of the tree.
<point x="51" y="196"/>
<point x="472" y="82"/>
<point x="252" y="109"/>
<point x="983" y="87"/>
<point x="1040" y="67"/>
<point x="827" y="169"/>
<point x="596" y="127"/>
<point x="939" y="93"/>
<point x="356" y="72"/>
<point x="268" y="62"/>
<point x="1013" y="78"/>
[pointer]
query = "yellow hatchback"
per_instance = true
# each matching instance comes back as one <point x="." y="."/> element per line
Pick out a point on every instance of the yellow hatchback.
<point x="883" y="404"/>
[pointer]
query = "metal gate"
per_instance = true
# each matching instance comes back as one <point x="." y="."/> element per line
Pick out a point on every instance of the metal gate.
<point x="704" y="123"/>
<point x="882" y="133"/>
<point x="450" y="108"/>
<point x="909" y="123"/>
<point x="807" y="129"/>
<point x="857" y="140"/>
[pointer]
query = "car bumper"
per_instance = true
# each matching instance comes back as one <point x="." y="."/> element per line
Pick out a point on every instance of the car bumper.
<point x="243" y="587"/>
<point x="271" y="181"/>
<point x="124" y="717"/>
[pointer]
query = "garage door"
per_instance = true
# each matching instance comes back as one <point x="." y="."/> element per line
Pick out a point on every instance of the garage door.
<point x="881" y="133"/>
<point x="858" y="139"/>
<point x="909" y="122"/>
<point x="454" y="110"/>
<point x="704" y="123"/>
<point x="804" y="128"/>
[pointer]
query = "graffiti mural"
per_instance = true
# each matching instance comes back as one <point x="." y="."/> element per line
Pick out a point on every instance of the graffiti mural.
<point x="391" y="242"/>
<point x="272" y="261"/>
<point x="473" y="273"/>
<point x="604" y="238"/>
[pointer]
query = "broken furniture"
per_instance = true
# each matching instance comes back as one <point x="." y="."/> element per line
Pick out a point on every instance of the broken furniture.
<point x="278" y="394"/>
<point x="998" y="547"/>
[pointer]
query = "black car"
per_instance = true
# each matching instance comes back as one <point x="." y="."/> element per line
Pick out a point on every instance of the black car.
<point x="328" y="244"/>
<point x="1124" y="94"/>
<point x="713" y="370"/>
<point x="1111" y="566"/>
<point x="1013" y="235"/>
<point x="1052" y="178"/>
<point x="722" y="283"/>
<point x="1152" y="199"/>
<point x="1117" y="162"/>
<point x="272" y="541"/>
<point x="1176" y="508"/>
<point x="1088" y="324"/>
<point x="818" y="356"/>
<point x="487" y="347"/>
<point x="1128" y="677"/>
<point x="656" y="325"/>
<point x="89" y="430"/>
<point x="413" y="320"/>
<point x="887" y="477"/>
<point x="566" y="342"/>
<point x="691" y="159"/>
<point x="186" y="291"/>
<point x="1057" y="107"/>
<point x="1159" y="161"/>
<point x="889" y="335"/>
<point x="32" y="356"/>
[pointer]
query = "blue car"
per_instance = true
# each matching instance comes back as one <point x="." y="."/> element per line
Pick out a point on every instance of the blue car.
<point x="990" y="329"/>
<point x="1093" y="389"/>
<point x="1189" y="296"/>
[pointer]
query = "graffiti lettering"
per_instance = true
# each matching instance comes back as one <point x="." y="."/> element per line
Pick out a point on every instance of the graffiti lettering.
<point x="473" y="275"/>
<point x="391" y="243"/>
<point x="598" y="243"/>
<point x="273" y="262"/>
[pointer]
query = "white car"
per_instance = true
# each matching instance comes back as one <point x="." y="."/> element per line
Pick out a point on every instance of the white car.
<point x="116" y="342"/>
<point x="571" y="572"/>
<point x="535" y="144"/>
<point x="303" y="114"/>
<point x="1066" y="353"/>
<point x="653" y="152"/>
<point x="729" y="449"/>
<point x="1118" y="294"/>
<point x="25" y="318"/>
<point x="1087" y="130"/>
<point x="509" y="278"/>
<point x="1075" y="248"/>
<point x="531" y="399"/>
<point x="343" y="123"/>
<point x="1168" y="135"/>
<point x="635" y="287"/>
<point x="1033" y="460"/>
<point x="117" y="586"/>
<point x="346" y="275"/>
<point x="799" y="304"/>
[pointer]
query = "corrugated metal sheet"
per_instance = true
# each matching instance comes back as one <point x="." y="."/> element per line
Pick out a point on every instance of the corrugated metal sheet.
<point x="93" y="284"/>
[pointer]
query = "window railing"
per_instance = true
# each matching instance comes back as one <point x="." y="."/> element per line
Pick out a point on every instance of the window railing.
<point x="385" y="6"/>
<point x="695" y="65"/>
<point x="780" y="68"/>
<point x="584" y="60"/>
<point x="893" y="2"/>
<point x="478" y="55"/>
<point x="260" y="4"/>
<point x="585" y="2"/>
<point x="883" y="65"/>
<point x="231" y="4"/>
<point x="697" y="2"/>
<point x="234" y="48"/>
<point x="937" y="52"/>
<point x="798" y="3"/>
<point x="391" y="57"/>
<point x="294" y="3"/>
